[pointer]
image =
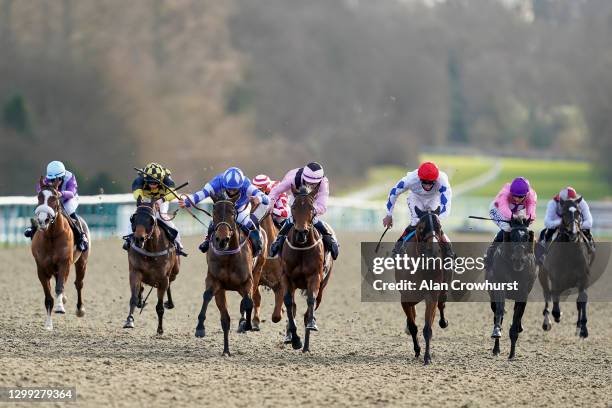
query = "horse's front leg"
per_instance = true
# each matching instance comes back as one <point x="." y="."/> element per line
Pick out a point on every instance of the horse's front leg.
<point x="246" y="306"/>
<point x="581" y="323"/>
<point x="46" y="284"/>
<point x="411" y="327"/>
<point x="543" y="278"/>
<point x="206" y="298"/>
<point x="498" y="317"/>
<point x="556" y="310"/>
<point x="441" y="306"/>
<point x="515" y="329"/>
<point x="169" y="304"/>
<point x="135" y="288"/>
<point x="221" y="301"/>
<point x="296" y="342"/>
<point x="310" y="322"/>
<point x="159" y="307"/>
<point x="430" y="314"/>
<point x="60" y="279"/>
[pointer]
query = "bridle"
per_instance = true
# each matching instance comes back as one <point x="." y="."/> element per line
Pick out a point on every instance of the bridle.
<point x="310" y="201"/>
<point x="231" y="227"/>
<point x="51" y="212"/>
<point x="430" y="220"/>
<point x="150" y="233"/>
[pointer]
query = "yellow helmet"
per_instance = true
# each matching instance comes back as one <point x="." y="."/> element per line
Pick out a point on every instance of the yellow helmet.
<point x="155" y="172"/>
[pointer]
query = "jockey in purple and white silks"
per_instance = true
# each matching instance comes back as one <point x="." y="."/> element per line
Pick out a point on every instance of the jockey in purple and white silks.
<point x="67" y="185"/>
<point x="514" y="198"/>
<point x="429" y="190"/>
<point x="240" y="190"/>
<point x="311" y="176"/>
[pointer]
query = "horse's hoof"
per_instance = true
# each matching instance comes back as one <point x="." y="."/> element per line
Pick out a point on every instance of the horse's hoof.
<point x="426" y="360"/>
<point x="546" y="326"/>
<point x="255" y="327"/>
<point x="80" y="312"/>
<point x="49" y="326"/>
<point x="244" y="326"/>
<point x="496" y="352"/>
<point x="557" y="316"/>
<point x="169" y="305"/>
<point x="59" y="309"/>
<point x="160" y="331"/>
<point x="296" y="343"/>
<point x="276" y="319"/>
<point x="511" y="357"/>
<point x="139" y="304"/>
<point x="496" y="332"/>
<point x="200" y="332"/>
<point x="312" y="326"/>
<point x="417" y="353"/>
<point x="584" y="333"/>
<point x="226" y="354"/>
<point x="287" y="339"/>
<point x="443" y="323"/>
<point x="129" y="324"/>
<point x="305" y="350"/>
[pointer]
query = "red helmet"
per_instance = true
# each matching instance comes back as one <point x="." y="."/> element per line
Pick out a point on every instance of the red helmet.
<point x="428" y="171"/>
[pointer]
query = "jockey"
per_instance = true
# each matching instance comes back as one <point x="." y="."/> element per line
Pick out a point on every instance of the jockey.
<point x="66" y="184"/>
<point x="512" y="199"/>
<point x="552" y="220"/>
<point x="429" y="189"/>
<point x="281" y="210"/>
<point x="148" y="189"/>
<point x="240" y="190"/>
<point x="311" y="175"/>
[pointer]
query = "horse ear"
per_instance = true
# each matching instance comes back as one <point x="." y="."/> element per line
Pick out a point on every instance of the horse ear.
<point x="437" y="211"/>
<point x="41" y="182"/>
<point x="418" y="211"/>
<point x="579" y="200"/>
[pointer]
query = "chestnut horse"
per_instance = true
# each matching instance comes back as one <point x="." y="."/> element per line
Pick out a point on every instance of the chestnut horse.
<point x="230" y="264"/>
<point x="267" y="272"/>
<point x="303" y="266"/>
<point x="424" y="242"/>
<point x="153" y="261"/>
<point x="54" y="250"/>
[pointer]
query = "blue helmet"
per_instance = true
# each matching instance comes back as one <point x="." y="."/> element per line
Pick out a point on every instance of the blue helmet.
<point x="55" y="169"/>
<point x="233" y="178"/>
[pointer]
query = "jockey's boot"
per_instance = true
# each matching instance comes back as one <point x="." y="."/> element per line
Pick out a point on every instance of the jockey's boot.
<point x="255" y="241"/>
<point x="81" y="239"/>
<point x="179" y="248"/>
<point x="206" y="243"/>
<point x="127" y="241"/>
<point x="541" y="249"/>
<point x="399" y="245"/>
<point x="30" y="231"/>
<point x="277" y="245"/>
<point x="329" y="241"/>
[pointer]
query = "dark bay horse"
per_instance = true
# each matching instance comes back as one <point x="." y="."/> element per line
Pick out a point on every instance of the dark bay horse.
<point x="513" y="261"/>
<point x="54" y="251"/>
<point x="425" y="242"/>
<point x="303" y="266"/>
<point x="230" y="264"/>
<point x="267" y="272"/>
<point x="152" y="261"/>
<point x="567" y="266"/>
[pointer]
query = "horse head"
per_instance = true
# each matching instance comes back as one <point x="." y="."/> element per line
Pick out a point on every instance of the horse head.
<point x="303" y="212"/>
<point x="570" y="218"/>
<point x="143" y="224"/>
<point x="429" y="230"/>
<point x="49" y="205"/>
<point x="521" y="239"/>
<point x="224" y="220"/>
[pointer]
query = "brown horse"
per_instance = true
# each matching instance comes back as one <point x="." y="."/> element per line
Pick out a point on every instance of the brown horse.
<point x="424" y="242"/>
<point x="153" y="261"/>
<point x="54" y="251"/>
<point x="267" y="272"/>
<point x="230" y="264"/>
<point x="304" y="266"/>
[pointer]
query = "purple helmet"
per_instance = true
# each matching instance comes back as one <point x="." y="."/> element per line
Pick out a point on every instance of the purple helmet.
<point x="519" y="186"/>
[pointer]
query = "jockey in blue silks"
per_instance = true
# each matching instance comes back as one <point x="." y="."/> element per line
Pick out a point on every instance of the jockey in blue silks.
<point x="239" y="189"/>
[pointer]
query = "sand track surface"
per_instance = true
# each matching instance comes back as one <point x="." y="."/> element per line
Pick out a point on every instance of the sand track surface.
<point x="360" y="356"/>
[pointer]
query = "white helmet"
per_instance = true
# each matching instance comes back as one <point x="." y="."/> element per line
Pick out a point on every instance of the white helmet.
<point x="55" y="169"/>
<point x="568" y="193"/>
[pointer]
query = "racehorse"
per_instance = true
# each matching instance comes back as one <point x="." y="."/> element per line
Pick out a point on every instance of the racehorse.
<point x="230" y="263"/>
<point x="54" y="250"/>
<point x="267" y="272"/>
<point x="152" y="261"/>
<point x="425" y="241"/>
<point x="304" y="266"/>
<point x="566" y="267"/>
<point x="513" y="261"/>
